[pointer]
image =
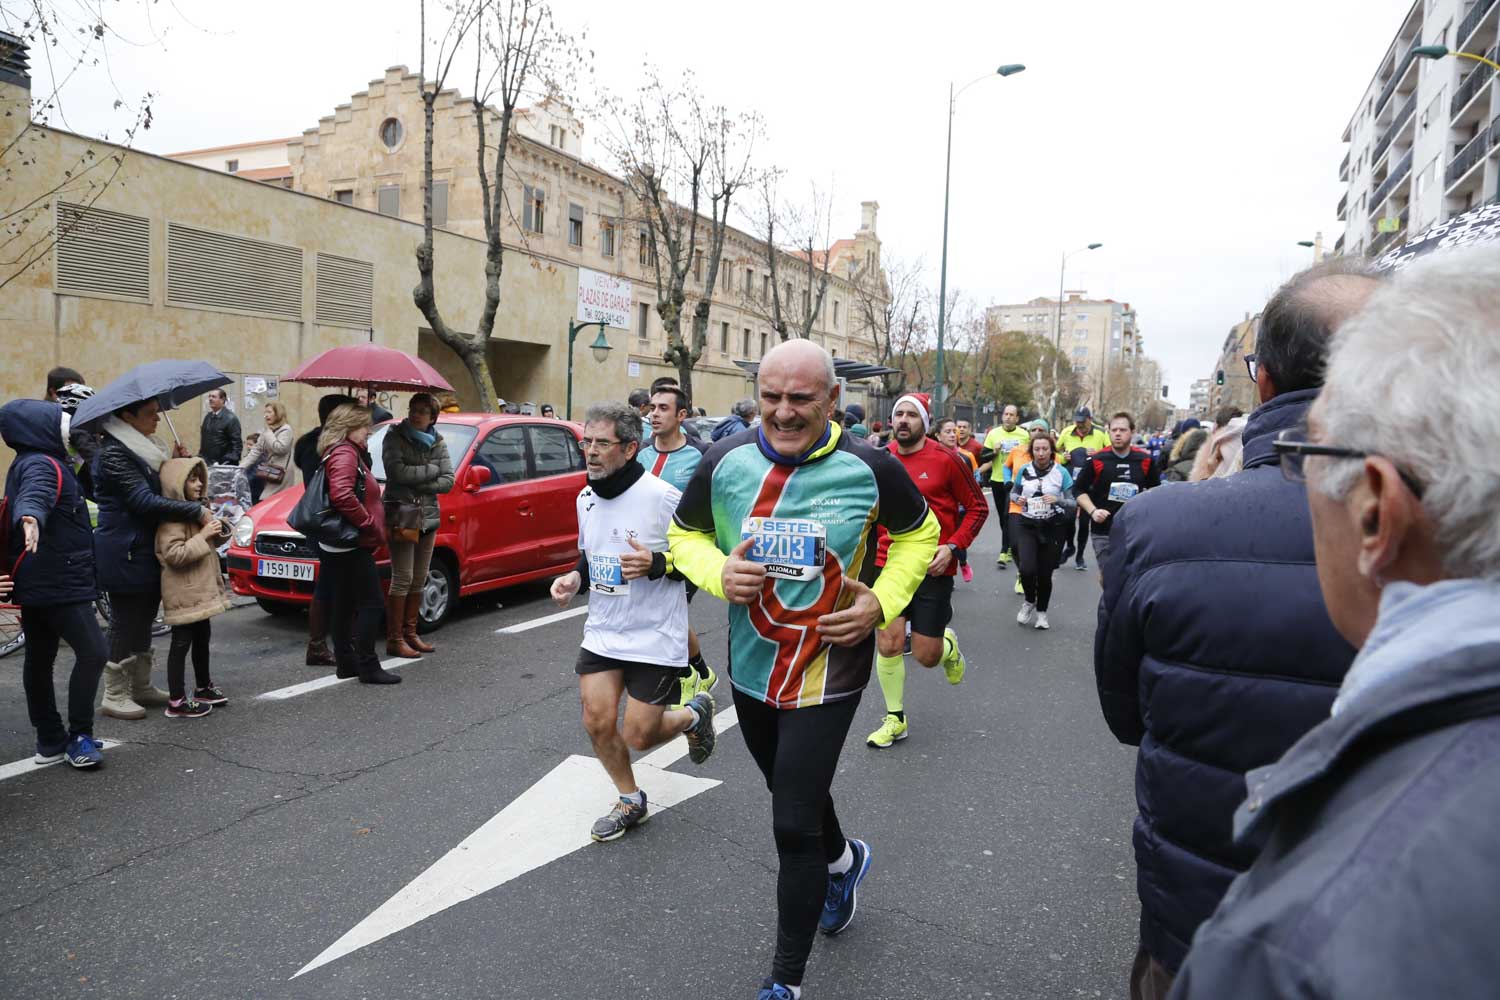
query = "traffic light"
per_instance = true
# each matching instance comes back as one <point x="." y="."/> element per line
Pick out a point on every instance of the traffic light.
<point x="1219" y="378"/>
<point x="1164" y="392"/>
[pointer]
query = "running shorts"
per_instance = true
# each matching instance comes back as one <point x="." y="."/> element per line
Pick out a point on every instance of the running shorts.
<point x="931" y="607"/>
<point x="645" y="682"/>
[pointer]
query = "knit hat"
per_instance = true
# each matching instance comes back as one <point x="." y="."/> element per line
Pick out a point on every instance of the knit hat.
<point x="922" y="402"/>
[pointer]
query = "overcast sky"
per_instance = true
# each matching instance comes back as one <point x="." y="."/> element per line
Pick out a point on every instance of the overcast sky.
<point x="1198" y="142"/>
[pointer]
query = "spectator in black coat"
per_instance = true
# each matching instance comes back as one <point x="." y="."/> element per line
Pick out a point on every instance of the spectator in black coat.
<point x="305" y="456"/>
<point x="1214" y="652"/>
<point x="220" y="438"/>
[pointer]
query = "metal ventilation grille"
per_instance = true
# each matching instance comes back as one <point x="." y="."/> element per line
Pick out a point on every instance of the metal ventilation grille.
<point x="345" y="292"/>
<point x="212" y="270"/>
<point x="104" y="253"/>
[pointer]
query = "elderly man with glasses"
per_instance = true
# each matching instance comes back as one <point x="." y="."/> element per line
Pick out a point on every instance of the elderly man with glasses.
<point x="1378" y="871"/>
<point x="1214" y="653"/>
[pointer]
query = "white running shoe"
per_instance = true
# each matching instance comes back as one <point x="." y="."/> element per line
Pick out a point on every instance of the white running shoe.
<point x="1041" y="620"/>
<point x="1026" y="615"/>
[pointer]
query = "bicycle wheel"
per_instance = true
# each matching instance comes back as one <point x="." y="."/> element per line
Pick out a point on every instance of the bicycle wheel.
<point x="11" y="636"/>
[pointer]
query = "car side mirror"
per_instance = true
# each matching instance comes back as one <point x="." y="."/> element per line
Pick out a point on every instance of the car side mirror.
<point x="477" y="476"/>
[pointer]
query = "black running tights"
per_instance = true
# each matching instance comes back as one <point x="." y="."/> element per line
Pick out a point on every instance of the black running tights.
<point x="798" y="752"/>
<point x="1038" y="550"/>
<point x="194" y="637"/>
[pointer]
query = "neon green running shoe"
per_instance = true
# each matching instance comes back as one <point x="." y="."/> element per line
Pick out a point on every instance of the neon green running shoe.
<point x="687" y="686"/>
<point x="891" y="729"/>
<point x="1019" y="589"/>
<point x="957" y="665"/>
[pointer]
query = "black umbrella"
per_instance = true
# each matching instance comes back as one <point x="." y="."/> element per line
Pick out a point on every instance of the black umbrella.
<point x="170" y="383"/>
<point x="1477" y="225"/>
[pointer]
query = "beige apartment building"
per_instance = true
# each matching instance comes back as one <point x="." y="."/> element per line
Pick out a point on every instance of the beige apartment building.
<point x="1237" y="390"/>
<point x="1101" y="337"/>
<point x="176" y="259"/>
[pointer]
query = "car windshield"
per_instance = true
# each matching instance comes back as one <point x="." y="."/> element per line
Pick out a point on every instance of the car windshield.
<point x="458" y="437"/>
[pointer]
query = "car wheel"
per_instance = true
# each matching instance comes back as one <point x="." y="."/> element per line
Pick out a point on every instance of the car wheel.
<point x="439" y="594"/>
<point x="277" y="609"/>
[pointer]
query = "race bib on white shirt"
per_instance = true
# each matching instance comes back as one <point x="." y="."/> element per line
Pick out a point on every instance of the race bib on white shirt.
<point x="789" y="548"/>
<point x="1120" y="492"/>
<point x="605" y="575"/>
<point x="1037" y="507"/>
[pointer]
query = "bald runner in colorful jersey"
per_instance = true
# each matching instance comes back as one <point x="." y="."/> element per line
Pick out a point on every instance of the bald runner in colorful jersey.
<point x="781" y="522"/>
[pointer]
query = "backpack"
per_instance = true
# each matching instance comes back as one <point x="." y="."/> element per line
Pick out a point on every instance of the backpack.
<point x="6" y="518"/>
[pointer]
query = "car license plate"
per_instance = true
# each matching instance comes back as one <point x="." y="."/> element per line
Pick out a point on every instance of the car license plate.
<point x="287" y="570"/>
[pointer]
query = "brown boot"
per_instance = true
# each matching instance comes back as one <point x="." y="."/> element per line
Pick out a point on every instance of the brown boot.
<point x="395" y="645"/>
<point x="409" y="629"/>
<point x="318" y="653"/>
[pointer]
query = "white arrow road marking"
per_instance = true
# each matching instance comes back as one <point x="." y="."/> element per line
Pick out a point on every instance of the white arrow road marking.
<point x="539" y="622"/>
<point x="27" y="766"/>
<point x="548" y="821"/>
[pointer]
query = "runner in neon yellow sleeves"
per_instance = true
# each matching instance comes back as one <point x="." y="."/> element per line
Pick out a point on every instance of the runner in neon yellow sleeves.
<point x="997" y="447"/>
<point x="780" y="521"/>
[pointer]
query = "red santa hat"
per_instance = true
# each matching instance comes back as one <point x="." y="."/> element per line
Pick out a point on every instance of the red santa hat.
<point x="923" y="403"/>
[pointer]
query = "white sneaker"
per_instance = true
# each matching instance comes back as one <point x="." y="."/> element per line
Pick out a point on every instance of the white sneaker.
<point x="1026" y="615"/>
<point x="1041" y="620"/>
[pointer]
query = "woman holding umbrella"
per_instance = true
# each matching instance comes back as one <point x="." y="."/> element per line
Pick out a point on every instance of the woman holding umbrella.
<point x="127" y="488"/>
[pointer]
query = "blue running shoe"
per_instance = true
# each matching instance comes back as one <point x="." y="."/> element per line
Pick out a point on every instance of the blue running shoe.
<point x="843" y="891"/>
<point x="84" y="752"/>
<point x="773" y="991"/>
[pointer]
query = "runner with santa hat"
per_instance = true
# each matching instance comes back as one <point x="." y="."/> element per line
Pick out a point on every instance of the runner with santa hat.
<point x="944" y="478"/>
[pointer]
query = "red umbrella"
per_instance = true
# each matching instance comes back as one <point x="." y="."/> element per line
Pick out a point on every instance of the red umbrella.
<point x="371" y="366"/>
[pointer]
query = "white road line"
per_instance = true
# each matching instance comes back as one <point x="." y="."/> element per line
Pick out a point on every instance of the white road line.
<point x="329" y="680"/>
<point x="27" y="766"/>
<point x="539" y="622"/>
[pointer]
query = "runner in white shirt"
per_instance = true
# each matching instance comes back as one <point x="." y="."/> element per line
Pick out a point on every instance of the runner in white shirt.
<point x="635" y="636"/>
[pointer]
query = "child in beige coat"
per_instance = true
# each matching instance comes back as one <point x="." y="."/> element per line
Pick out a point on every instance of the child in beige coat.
<point x="192" y="590"/>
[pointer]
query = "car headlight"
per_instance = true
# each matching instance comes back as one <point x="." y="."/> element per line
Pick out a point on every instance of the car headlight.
<point x="244" y="531"/>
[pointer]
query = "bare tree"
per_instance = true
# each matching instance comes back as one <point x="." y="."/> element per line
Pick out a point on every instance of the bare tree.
<point x="64" y="42"/>
<point x="797" y="241"/>
<point x="893" y="306"/>
<point x="519" y="51"/>
<point x="683" y="161"/>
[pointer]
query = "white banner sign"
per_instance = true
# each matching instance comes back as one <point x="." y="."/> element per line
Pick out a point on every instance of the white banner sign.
<point x="603" y="297"/>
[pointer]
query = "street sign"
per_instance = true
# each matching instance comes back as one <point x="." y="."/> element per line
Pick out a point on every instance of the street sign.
<point x="603" y="297"/>
<point x="1389" y="224"/>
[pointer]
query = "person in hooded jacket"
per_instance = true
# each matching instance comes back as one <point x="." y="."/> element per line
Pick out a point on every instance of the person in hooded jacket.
<point x="51" y="561"/>
<point x="1209" y="695"/>
<point x="127" y="489"/>
<point x="1183" y="454"/>
<point x="305" y="458"/>
<point x="192" y="590"/>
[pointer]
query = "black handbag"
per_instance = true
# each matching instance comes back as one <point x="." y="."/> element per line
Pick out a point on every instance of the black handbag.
<point x="316" y="517"/>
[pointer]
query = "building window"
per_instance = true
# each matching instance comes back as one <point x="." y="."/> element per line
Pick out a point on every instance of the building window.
<point x="533" y="212"/>
<point x="1080" y="352"/>
<point x="643" y="328"/>
<point x="749" y="281"/>
<point x="390" y="200"/>
<point x="765" y="288"/>
<point x="575" y="225"/>
<point x="1082" y="317"/>
<point x="763" y="341"/>
<point x="698" y="266"/>
<point x="835" y="314"/>
<point x="723" y="338"/>
<point x="440" y="203"/>
<point x="647" y="255"/>
<point x="745" y="345"/>
<point x="1080" y="335"/>
<point x="786" y="300"/>
<point x="391" y="133"/>
<point x="559" y="136"/>
<point x="728" y="278"/>
<point x="607" y="238"/>
<point x="344" y="197"/>
<point x="232" y="166"/>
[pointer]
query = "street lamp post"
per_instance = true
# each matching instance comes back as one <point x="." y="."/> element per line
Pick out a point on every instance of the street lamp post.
<point x="600" y="347"/>
<point x="1062" y="273"/>
<point x="938" y="395"/>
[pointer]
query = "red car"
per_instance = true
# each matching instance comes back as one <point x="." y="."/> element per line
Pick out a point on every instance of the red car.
<point x="510" y="517"/>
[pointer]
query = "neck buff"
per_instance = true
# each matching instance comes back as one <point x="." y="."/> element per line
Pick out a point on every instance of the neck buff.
<point x="424" y="438"/>
<point x="619" y="481"/>
<point x="775" y="456"/>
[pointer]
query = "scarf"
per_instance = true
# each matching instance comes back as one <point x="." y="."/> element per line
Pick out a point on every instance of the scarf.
<point x="619" y="481"/>
<point x="424" y="438"/>
<point x="144" y="448"/>
<point x="775" y="456"/>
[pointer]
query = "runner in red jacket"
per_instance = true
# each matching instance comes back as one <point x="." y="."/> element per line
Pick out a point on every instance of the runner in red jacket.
<point x="946" y="480"/>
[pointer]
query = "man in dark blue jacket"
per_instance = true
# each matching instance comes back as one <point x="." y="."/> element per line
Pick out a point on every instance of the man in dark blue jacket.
<point x="1214" y="652"/>
<point x="51" y="560"/>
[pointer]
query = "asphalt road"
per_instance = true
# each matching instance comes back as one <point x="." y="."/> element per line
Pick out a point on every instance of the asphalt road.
<point x="217" y="857"/>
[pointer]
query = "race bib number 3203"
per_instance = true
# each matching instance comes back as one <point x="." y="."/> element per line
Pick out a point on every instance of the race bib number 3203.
<point x="605" y="576"/>
<point x="789" y="548"/>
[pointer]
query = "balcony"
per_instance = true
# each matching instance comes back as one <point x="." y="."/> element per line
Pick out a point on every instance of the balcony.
<point x="1343" y="207"/>
<point x="1470" y="156"/>
<point x="1467" y="26"/>
<point x="1402" y="171"/>
<point x="1338" y="247"/>
<point x="1344" y="169"/>
<point x="1473" y="85"/>
<point x="1397" y="78"/>
<point x="1397" y="124"/>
